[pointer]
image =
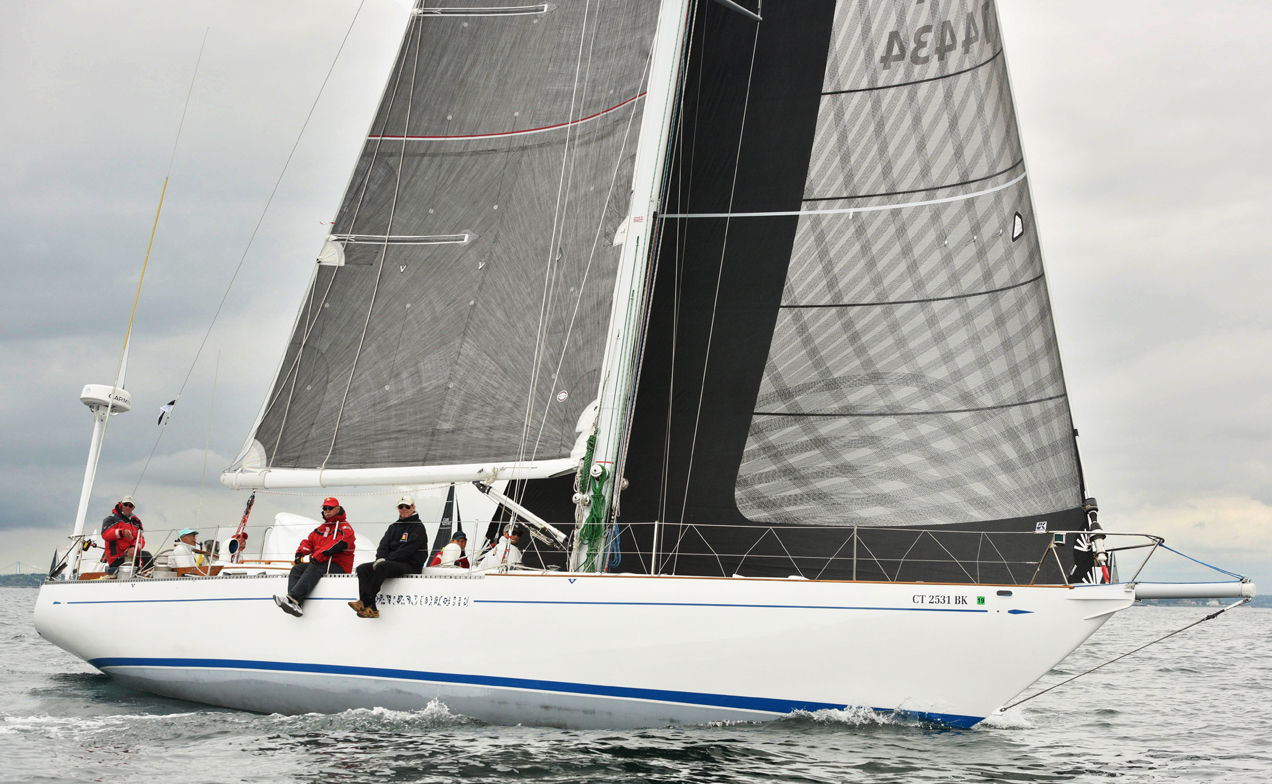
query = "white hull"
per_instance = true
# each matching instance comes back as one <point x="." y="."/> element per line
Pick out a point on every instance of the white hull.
<point x="580" y="651"/>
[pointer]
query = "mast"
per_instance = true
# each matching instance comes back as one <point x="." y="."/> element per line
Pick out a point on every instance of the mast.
<point x="597" y="484"/>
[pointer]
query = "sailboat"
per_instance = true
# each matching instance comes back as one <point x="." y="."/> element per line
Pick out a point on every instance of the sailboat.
<point x="741" y="309"/>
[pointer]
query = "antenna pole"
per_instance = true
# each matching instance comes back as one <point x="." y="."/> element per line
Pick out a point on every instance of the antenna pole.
<point x="90" y="470"/>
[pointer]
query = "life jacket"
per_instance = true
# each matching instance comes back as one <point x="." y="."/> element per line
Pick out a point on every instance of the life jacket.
<point x="326" y="536"/>
<point x="116" y="545"/>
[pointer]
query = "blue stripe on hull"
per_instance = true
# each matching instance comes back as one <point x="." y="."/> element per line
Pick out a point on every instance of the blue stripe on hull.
<point x="598" y="604"/>
<point x="744" y="606"/>
<point x="763" y="704"/>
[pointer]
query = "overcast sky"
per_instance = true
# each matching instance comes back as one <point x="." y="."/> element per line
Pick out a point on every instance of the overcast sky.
<point x="1144" y="123"/>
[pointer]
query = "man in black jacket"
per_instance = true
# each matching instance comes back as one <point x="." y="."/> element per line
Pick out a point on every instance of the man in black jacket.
<point x="402" y="550"/>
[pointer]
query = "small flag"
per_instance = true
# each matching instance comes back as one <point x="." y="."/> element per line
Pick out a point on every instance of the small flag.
<point x="165" y="411"/>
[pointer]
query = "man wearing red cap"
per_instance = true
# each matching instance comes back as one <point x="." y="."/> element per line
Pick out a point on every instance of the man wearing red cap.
<point x="330" y="549"/>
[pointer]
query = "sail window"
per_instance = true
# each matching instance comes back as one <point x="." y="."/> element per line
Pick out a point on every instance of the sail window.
<point x="508" y="10"/>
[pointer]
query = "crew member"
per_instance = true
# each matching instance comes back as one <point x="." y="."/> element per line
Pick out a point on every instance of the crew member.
<point x="330" y="549"/>
<point x="184" y="554"/>
<point x="124" y="541"/>
<point x="453" y="553"/>
<point x="402" y="550"/>
<point x="507" y="552"/>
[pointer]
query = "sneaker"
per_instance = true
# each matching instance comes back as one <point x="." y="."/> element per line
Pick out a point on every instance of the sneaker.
<point x="368" y="612"/>
<point x="357" y="606"/>
<point x="288" y="605"/>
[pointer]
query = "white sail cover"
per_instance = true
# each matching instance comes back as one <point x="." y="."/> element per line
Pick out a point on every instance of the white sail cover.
<point x="464" y="320"/>
<point x="913" y="376"/>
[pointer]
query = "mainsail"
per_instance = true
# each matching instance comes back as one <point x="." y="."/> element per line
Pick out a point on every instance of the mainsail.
<point x="456" y="317"/>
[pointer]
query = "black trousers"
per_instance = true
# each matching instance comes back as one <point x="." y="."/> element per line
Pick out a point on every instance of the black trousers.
<point x="303" y="578"/>
<point x="371" y="577"/>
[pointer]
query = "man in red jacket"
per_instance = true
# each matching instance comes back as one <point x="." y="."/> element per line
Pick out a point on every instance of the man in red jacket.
<point x="124" y="542"/>
<point x="330" y="549"/>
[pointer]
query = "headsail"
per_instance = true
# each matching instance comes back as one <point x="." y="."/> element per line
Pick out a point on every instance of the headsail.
<point x="913" y="376"/>
<point x="845" y="329"/>
<point x="457" y="315"/>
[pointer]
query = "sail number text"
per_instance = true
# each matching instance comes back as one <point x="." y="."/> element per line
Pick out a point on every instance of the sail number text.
<point x="937" y="598"/>
<point x="938" y="40"/>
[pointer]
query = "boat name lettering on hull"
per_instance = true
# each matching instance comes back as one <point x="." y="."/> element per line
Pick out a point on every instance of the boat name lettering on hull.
<point x="937" y="598"/>
<point x="415" y="600"/>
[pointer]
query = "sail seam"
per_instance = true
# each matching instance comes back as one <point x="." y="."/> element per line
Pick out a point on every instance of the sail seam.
<point x="910" y="413"/>
<point x="917" y="81"/>
<point x="1034" y="279"/>
<point x="502" y="134"/>
<point x="921" y="190"/>
<point x="847" y="210"/>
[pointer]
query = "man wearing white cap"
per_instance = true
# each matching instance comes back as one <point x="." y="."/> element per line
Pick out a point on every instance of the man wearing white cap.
<point x="402" y="550"/>
<point x="124" y="542"/>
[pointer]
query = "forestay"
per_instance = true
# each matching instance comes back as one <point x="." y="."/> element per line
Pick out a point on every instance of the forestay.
<point x="457" y="313"/>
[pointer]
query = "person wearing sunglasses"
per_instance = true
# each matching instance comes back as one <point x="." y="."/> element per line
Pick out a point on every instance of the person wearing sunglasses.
<point x="124" y="543"/>
<point x="330" y="550"/>
<point x="402" y="550"/>
<point x="507" y="551"/>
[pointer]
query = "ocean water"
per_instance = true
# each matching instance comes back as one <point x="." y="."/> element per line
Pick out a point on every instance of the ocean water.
<point x="1197" y="707"/>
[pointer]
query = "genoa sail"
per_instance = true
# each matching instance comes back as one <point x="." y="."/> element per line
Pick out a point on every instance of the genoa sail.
<point x="850" y="340"/>
<point x="457" y="313"/>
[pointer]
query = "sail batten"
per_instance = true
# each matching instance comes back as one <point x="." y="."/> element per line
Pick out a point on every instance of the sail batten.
<point x="850" y="210"/>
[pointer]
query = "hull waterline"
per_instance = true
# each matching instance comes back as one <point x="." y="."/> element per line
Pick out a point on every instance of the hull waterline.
<point x="581" y="651"/>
